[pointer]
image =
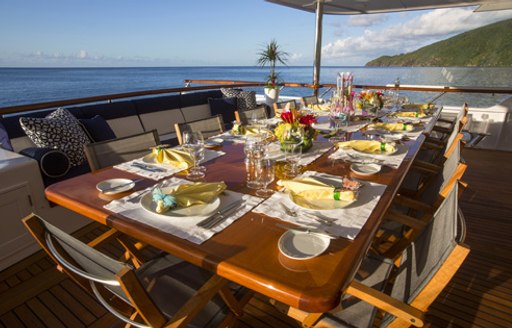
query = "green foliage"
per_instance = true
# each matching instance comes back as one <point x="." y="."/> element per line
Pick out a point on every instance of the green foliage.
<point x="487" y="46"/>
<point x="270" y="55"/>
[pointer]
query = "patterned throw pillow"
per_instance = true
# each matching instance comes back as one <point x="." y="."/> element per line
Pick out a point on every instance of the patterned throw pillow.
<point x="245" y="99"/>
<point x="59" y="130"/>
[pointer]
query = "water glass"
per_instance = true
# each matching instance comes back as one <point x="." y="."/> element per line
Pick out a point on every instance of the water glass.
<point x="193" y="143"/>
<point x="265" y="171"/>
<point x="252" y="180"/>
<point x="292" y="155"/>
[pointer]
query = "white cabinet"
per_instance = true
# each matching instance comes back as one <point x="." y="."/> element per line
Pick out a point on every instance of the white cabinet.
<point x="21" y="193"/>
<point x="15" y="203"/>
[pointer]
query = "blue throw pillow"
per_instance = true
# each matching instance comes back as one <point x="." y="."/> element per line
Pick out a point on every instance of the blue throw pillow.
<point x="5" y="143"/>
<point x="97" y="128"/>
<point x="225" y="107"/>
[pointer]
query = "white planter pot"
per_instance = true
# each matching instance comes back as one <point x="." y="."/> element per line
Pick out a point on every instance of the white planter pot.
<point x="271" y="96"/>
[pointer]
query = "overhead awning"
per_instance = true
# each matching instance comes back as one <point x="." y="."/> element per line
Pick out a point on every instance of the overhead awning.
<point x="361" y="7"/>
<point x="355" y="7"/>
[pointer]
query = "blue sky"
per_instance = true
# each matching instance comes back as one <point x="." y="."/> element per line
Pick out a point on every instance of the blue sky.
<point x="98" y="33"/>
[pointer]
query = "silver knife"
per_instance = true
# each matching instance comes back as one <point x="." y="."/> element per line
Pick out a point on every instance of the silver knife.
<point x="150" y="168"/>
<point x="209" y="222"/>
<point x="308" y="230"/>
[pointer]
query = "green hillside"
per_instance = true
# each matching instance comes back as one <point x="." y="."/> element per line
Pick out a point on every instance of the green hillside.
<point x="489" y="45"/>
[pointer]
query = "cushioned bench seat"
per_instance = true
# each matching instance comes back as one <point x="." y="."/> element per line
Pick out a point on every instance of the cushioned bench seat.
<point x="103" y="121"/>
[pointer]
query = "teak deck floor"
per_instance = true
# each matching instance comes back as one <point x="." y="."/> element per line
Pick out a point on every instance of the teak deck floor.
<point x="34" y="294"/>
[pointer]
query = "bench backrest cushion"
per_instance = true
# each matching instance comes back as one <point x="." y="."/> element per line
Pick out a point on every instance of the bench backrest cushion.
<point x="59" y="130"/>
<point x="121" y="116"/>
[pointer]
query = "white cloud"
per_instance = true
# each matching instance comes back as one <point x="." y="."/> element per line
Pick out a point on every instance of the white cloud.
<point x="295" y="57"/>
<point x="82" y="54"/>
<point x="82" y="58"/>
<point x="418" y="31"/>
<point x="366" y="20"/>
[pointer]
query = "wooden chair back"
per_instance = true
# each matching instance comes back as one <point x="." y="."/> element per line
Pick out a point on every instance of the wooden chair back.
<point x="309" y="100"/>
<point x="430" y="262"/>
<point x="426" y="267"/>
<point x="245" y="116"/>
<point x="281" y="105"/>
<point x="111" y="152"/>
<point x="119" y="288"/>
<point x="99" y="274"/>
<point x="209" y="127"/>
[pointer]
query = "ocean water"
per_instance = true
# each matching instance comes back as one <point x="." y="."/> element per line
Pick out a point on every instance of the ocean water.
<point x="20" y="86"/>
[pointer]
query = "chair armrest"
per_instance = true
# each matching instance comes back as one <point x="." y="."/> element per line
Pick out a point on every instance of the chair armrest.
<point x="52" y="162"/>
<point x="433" y="143"/>
<point x="405" y="219"/>
<point x="386" y="303"/>
<point x="426" y="166"/>
<point x="442" y="129"/>
<point x="412" y="203"/>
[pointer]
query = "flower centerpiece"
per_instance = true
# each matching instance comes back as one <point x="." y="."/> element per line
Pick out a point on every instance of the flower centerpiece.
<point x="342" y="100"/>
<point x="270" y="55"/>
<point x="370" y="101"/>
<point x="294" y="127"/>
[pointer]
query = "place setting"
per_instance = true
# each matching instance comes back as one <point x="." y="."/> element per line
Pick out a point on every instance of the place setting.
<point x="378" y="152"/>
<point x="321" y="205"/>
<point x="163" y="161"/>
<point x="194" y="211"/>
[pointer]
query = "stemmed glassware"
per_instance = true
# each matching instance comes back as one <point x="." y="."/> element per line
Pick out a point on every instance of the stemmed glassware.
<point x="265" y="171"/>
<point x="293" y="140"/>
<point x="193" y="143"/>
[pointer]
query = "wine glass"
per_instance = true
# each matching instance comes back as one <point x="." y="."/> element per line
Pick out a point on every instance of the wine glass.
<point x="265" y="171"/>
<point x="293" y="140"/>
<point x="193" y="143"/>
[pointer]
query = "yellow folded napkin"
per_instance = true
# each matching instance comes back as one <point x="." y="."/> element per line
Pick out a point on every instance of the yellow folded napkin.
<point x="417" y="106"/>
<point x="319" y="107"/>
<point x="186" y="195"/>
<point x="410" y="114"/>
<point x="175" y="157"/>
<point x="392" y="126"/>
<point x="306" y="191"/>
<point x="369" y="146"/>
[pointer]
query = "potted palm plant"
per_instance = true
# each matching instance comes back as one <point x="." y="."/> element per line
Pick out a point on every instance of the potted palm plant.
<point x="270" y="55"/>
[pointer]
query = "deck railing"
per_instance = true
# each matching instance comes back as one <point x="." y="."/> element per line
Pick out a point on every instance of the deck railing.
<point x="214" y="84"/>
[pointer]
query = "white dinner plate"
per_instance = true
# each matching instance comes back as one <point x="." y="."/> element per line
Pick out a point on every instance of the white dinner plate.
<point x="322" y="204"/>
<point x="300" y="245"/>
<point x="115" y="186"/>
<point x="149" y="205"/>
<point x="385" y="134"/>
<point x="325" y="204"/>
<point x="381" y="153"/>
<point x="365" y="169"/>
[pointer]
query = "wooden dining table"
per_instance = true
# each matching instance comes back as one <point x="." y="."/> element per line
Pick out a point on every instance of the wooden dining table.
<point x="246" y="252"/>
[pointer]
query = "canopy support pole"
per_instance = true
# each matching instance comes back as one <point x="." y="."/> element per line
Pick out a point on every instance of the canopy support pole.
<point x="318" y="44"/>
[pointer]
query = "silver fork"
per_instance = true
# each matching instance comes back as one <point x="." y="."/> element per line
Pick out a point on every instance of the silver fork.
<point x="320" y="218"/>
<point x="288" y="210"/>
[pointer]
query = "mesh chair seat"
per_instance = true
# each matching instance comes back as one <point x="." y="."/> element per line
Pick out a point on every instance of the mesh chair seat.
<point x="208" y="127"/>
<point x="169" y="282"/>
<point x="309" y="100"/>
<point x="374" y="272"/>
<point x="111" y="152"/>
<point x="421" y="261"/>
<point x="245" y="116"/>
